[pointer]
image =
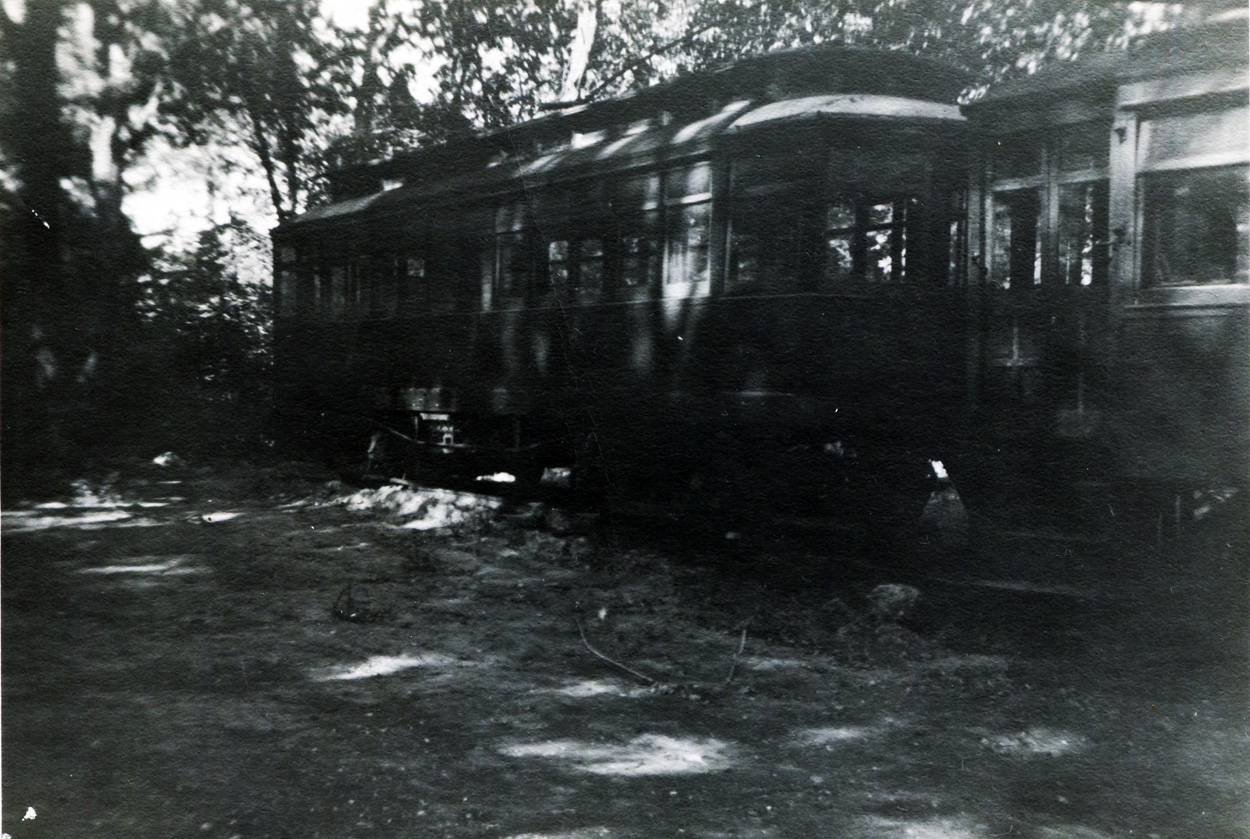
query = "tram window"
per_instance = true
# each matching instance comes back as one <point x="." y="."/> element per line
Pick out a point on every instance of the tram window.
<point x="1197" y="139"/>
<point x="558" y="264"/>
<point x="288" y="281"/>
<point x="692" y="182"/>
<point x="445" y="269"/>
<point x="766" y="243"/>
<point x="867" y="239"/>
<point x="640" y="251"/>
<point x="688" y="245"/>
<point x="1196" y="227"/>
<point x="515" y="266"/>
<point x="386" y="280"/>
<point x="1083" y="249"/>
<point x="514" y="254"/>
<point x="590" y="267"/>
<point x="957" y="239"/>
<point x="414" y="278"/>
<point x="319" y="288"/>
<point x="357" y="296"/>
<point x="636" y="206"/>
<point x="688" y="196"/>
<point x="771" y="221"/>
<point x="288" y="291"/>
<point x="575" y="268"/>
<point x="1016" y="260"/>
<point x="338" y="291"/>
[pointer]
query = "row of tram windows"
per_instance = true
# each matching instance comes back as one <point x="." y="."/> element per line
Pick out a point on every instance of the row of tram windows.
<point x="1049" y="209"/>
<point x="790" y="228"/>
<point x="1049" y="214"/>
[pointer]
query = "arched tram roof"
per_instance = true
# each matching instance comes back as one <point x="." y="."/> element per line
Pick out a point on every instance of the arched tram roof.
<point x="667" y="121"/>
<point x="785" y="88"/>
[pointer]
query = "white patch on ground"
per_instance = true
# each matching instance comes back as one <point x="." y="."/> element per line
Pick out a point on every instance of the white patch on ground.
<point x="833" y="734"/>
<point x="650" y="754"/>
<point x="960" y="827"/>
<point x="1071" y="831"/>
<point x="170" y="565"/>
<point x="359" y="546"/>
<point x="1032" y="588"/>
<point x="385" y="665"/>
<point x="593" y="687"/>
<point x="1044" y="742"/>
<point x="583" y="833"/>
<point x="765" y="665"/>
<point x="84" y="521"/>
<point x="218" y="516"/>
<point x="422" y="509"/>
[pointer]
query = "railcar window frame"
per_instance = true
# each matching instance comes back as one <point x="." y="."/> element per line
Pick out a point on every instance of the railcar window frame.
<point x="575" y="227"/>
<point x="286" y="260"/>
<point x="687" y="221"/>
<point x="1184" y="148"/>
<point x="516" y="260"/>
<point x="1062" y="250"/>
<point x="771" y="245"/>
<point x="1208" y="233"/>
<point x="849" y="220"/>
<point x="637" y="212"/>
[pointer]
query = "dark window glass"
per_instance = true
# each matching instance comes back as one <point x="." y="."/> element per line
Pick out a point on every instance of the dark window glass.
<point x="1195" y="227"/>
<point x="1083" y="248"/>
<point x="558" y="264"/>
<point x="637" y="193"/>
<point x="957" y="239"/>
<point x="767" y="242"/>
<point x="515" y="266"/>
<point x="338" y="291"/>
<point x="640" y="250"/>
<point x="288" y="292"/>
<point x="386" y="279"/>
<point x="867" y="239"/>
<point x="590" y="268"/>
<point x="1016" y="260"/>
<point x="358" y="291"/>
<point x="689" y="244"/>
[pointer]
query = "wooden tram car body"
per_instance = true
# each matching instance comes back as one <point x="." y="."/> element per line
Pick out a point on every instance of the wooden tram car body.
<point x="812" y="265"/>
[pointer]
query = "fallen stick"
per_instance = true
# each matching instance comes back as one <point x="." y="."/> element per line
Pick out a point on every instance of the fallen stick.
<point x="646" y="680"/>
<point x="733" y="665"/>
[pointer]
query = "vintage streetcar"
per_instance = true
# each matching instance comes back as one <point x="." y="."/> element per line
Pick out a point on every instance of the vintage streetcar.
<point x="797" y="281"/>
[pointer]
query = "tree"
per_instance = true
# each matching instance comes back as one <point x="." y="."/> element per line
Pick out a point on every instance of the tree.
<point x="256" y="72"/>
<point x="76" y="98"/>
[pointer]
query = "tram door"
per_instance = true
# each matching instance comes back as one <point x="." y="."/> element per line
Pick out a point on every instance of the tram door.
<point x="1046" y="261"/>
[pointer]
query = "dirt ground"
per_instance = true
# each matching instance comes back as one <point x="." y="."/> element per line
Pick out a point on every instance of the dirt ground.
<point x="238" y="652"/>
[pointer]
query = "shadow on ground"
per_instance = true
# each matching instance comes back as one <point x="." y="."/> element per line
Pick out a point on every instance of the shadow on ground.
<point x="222" y="653"/>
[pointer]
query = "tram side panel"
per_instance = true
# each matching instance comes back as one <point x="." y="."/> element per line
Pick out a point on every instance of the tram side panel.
<point x="1183" y="395"/>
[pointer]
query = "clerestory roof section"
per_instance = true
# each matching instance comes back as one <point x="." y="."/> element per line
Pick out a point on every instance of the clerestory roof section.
<point x="1221" y="42"/>
<point x="675" y="119"/>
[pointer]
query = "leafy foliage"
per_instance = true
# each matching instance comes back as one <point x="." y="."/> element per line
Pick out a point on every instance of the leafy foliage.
<point x="254" y="72"/>
<point x="200" y="365"/>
